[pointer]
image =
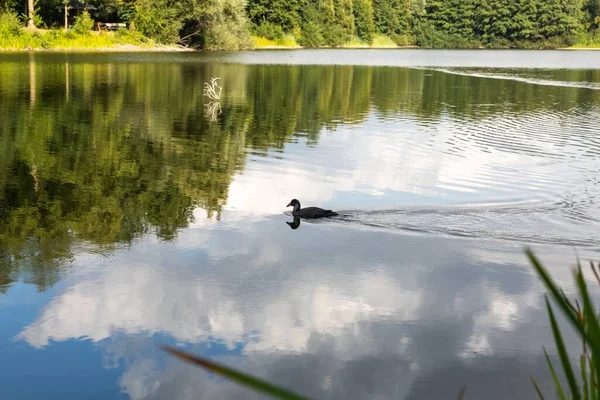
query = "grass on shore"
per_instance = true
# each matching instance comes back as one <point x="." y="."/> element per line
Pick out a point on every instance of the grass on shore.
<point x="590" y="41"/>
<point x="63" y="40"/>
<point x="289" y="41"/>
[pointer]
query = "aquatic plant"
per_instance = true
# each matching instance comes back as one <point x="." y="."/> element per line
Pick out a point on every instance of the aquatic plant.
<point x="212" y="110"/>
<point x="239" y="377"/>
<point x="583" y="316"/>
<point x="213" y="90"/>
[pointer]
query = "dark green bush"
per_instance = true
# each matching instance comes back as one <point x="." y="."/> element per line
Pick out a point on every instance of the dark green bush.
<point x="363" y="20"/>
<point x="335" y="35"/>
<point x="403" y="40"/>
<point x="157" y="20"/>
<point x="269" y="31"/>
<point x="83" y="23"/>
<point x="311" y="35"/>
<point x="9" y="24"/>
<point x="428" y="36"/>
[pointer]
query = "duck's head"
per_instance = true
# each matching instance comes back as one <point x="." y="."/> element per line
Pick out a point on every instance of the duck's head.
<point x="294" y="203"/>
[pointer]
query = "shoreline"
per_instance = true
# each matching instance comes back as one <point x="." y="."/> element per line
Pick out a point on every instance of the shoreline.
<point x="124" y="48"/>
<point x="131" y="48"/>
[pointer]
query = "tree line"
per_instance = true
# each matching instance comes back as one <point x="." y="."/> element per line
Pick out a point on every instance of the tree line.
<point x="430" y="23"/>
<point x="229" y="24"/>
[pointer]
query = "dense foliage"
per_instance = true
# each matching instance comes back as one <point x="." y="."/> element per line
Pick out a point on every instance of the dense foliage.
<point x="227" y="24"/>
<point x="431" y="23"/>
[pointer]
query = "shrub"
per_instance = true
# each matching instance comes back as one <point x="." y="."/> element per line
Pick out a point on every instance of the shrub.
<point x="83" y="23"/>
<point x="311" y="35"/>
<point x="9" y="25"/>
<point x="335" y="35"/>
<point x="227" y="27"/>
<point x="363" y="20"/>
<point x="129" y="35"/>
<point x="269" y="31"/>
<point x="428" y="36"/>
<point x="499" y="43"/>
<point x="403" y="40"/>
<point x="157" y="20"/>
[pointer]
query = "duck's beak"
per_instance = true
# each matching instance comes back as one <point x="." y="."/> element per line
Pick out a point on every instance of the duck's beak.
<point x="289" y="204"/>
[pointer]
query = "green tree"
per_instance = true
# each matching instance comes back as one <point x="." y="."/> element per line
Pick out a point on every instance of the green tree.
<point x="344" y="16"/>
<point x="392" y="17"/>
<point x="224" y="25"/>
<point x="209" y="24"/>
<point x="160" y="20"/>
<point x="560" y="19"/>
<point x="312" y="31"/>
<point x="592" y="14"/>
<point x="282" y="13"/>
<point x="363" y="19"/>
<point x="453" y="16"/>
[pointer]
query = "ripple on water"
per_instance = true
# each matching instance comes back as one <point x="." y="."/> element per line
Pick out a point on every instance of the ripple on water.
<point x="533" y="175"/>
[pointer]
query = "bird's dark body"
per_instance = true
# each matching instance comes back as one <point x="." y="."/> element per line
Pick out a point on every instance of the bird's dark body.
<point x="314" y="212"/>
<point x="309" y="212"/>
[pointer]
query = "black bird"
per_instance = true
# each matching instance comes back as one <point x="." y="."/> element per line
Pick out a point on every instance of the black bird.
<point x="309" y="212"/>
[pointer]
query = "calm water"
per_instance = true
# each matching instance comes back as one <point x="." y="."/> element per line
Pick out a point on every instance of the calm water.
<point x="134" y="212"/>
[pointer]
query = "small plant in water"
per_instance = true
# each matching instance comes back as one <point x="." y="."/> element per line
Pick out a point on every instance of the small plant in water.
<point x="212" y="110"/>
<point x="212" y="90"/>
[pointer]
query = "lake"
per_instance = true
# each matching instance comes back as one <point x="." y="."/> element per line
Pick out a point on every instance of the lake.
<point x="136" y="212"/>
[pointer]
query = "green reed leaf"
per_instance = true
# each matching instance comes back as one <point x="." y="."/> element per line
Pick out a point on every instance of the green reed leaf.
<point x="563" y="354"/>
<point x="559" y="390"/>
<point x="252" y="382"/>
<point x="582" y="367"/>
<point x="537" y="389"/>
<point x="555" y="291"/>
<point x="461" y="393"/>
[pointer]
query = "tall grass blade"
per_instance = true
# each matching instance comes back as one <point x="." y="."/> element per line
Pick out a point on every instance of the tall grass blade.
<point x="582" y="366"/>
<point x="555" y="291"/>
<point x="593" y="386"/>
<point x="592" y="336"/>
<point x="252" y="382"/>
<point x="559" y="390"/>
<point x="461" y="393"/>
<point x="564" y="356"/>
<point x="537" y="389"/>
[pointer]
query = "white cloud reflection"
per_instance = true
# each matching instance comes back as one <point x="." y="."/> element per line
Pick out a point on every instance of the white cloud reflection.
<point x="330" y="304"/>
<point x="388" y="298"/>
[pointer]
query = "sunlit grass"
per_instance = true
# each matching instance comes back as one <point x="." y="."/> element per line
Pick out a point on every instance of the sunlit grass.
<point x="285" y="41"/>
<point x="355" y="42"/>
<point x="383" y="41"/>
<point x="588" y="41"/>
<point x="66" y="40"/>
<point x="289" y="41"/>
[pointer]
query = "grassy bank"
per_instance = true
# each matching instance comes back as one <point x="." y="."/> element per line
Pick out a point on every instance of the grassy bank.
<point x="290" y="42"/>
<point x="586" y="42"/>
<point x="67" y="40"/>
<point x="14" y="37"/>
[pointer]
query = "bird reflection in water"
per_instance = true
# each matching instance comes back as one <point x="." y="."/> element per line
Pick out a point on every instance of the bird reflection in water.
<point x="294" y="224"/>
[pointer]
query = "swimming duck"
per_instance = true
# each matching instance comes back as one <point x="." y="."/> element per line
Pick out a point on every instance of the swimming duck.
<point x="309" y="212"/>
